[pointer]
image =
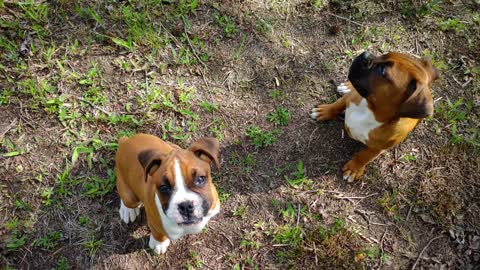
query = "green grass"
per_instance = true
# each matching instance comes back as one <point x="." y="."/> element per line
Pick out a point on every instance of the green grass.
<point x="452" y="25"/>
<point x="390" y="204"/>
<point x="93" y="245"/>
<point x="299" y="180"/>
<point x="227" y="23"/>
<point x="240" y="212"/>
<point x="288" y="235"/>
<point x="280" y="116"/>
<point x="461" y="121"/>
<point x="48" y="241"/>
<point x="261" y="139"/>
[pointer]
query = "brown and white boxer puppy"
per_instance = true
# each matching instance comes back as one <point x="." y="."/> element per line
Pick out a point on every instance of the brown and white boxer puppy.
<point x="175" y="185"/>
<point x="385" y="99"/>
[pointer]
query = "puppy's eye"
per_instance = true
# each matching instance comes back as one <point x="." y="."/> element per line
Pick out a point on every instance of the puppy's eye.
<point x="165" y="189"/>
<point x="200" y="181"/>
<point x="382" y="69"/>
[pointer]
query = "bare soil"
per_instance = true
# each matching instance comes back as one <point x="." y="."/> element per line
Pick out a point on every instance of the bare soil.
<point x="405" y="212"/>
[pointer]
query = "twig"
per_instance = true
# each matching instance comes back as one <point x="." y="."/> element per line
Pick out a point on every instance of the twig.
<point x="190" y="43"/>
<point x="13" y="123"/>
<point x="409" y="212"/>
<point x="230" y="241"/>
<point x="93" y="105"/>
<point x="310" y="138"/>
<point x="195" y="53"/>
<point x="423" y="250"/>
<point x="381" y="248"/>
<point x="353" y="197"/>
<point x="298" y="214"/>
<point x="346" y="19"/>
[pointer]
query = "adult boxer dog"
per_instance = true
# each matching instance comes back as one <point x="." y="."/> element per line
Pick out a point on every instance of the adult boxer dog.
<point x="174" y="185"/>
<point x="385" y="98"/>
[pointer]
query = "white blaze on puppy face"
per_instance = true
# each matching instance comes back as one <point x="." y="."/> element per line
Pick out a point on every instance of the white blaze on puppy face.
<point x="171" y="218"/>
<point x="360" y="120"/>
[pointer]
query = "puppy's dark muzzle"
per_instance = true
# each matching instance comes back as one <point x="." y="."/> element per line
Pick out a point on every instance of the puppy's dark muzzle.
<point x="360" y="71"/>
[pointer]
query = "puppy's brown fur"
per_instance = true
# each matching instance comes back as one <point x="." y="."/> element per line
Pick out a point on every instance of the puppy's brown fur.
<point x="398" y="96"/>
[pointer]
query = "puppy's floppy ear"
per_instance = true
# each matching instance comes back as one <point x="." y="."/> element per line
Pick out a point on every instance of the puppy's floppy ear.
<point x="151" y="160"/>
<point x="207" y="149"/>
<point x="432" y="71"/>
<point x="419" y="102"/>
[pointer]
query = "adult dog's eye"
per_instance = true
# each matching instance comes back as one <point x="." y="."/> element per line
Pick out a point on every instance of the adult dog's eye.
<point x="200" y="181"/>
<point x="165" y="189"/>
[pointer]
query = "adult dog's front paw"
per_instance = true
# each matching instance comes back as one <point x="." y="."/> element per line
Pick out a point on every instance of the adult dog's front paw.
<point x="158" y="247"/>
<point x="323" y="112"/>
<point x="352" y="171"/>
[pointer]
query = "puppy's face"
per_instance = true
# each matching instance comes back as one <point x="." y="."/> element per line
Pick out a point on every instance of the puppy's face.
<point x="395" y="83"/>
<point x="183" y="189"/>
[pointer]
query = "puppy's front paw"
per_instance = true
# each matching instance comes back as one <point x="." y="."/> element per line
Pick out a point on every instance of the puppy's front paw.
<point x="352" y="171"/>
<point x="158" y="247"/>
<point x="323" y="112"/>
<point x="343" y="89"/>
<point x="128" y="214"/>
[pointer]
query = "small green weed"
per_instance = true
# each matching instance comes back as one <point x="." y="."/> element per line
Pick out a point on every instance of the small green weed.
<point x="408" y="157"/>
<point x="222" y="195"/>
<point x="209" y="107"/>
<point x="195" y="261"/>
<point x="290" y="214"/>
<point x="229" y="28"/>
<point x="389" y="202"/>
<point x="249" y="243"/>
<point x="97" y="186"/>
<point x="240" y="212"/>
<point x="460" y="120"/>
<point x="289" y="235"/>
<point x="279" y="117"/>
<point x="299" y="180"/>
<point x="49" y="241"/>
<point x="335" y="228"/>
<point x="92" y="245"/>
<point x="62" y="264"/>
<point x="16" y="241"/>
<point x="452" y="25"/>
<point x="318" y="3"/>
<point x="260" y="139"/>
<point x="263" y="26"/>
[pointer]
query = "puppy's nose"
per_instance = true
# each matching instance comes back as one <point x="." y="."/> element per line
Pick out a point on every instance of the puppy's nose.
<point x="365" y="59"/>
<point x="186" y="208"/>
<point x="365" y="55"/>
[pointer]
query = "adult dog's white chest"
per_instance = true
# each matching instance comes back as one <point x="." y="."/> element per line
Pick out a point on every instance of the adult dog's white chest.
<point x="360" y="120"/>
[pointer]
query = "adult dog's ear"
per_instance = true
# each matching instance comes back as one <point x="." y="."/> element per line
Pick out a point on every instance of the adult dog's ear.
<point x="151" y="160"/>
<point x="207" y="149"/>
<point x="419" y="103"/>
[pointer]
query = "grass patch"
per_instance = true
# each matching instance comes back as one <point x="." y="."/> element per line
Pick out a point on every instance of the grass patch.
<point x="261" y="139"/>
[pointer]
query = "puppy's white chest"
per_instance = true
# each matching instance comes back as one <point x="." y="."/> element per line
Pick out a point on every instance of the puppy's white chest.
<point x="360" y="121"/>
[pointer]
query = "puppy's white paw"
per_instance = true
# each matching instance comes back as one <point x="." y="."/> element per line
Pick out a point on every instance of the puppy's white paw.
<point x="158" y="247"/>
<point x="348" y="178"/>
<point x="128" y="214"/>
<point x="343" y="89"/>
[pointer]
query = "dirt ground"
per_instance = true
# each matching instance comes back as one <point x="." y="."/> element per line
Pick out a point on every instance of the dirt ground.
<point x="77" y="75"/>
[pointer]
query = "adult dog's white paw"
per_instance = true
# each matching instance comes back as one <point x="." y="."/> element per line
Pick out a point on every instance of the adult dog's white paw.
<point x="128" y="214"/>
<point x="158" y="247"/>
<point x="343" y="89"/>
